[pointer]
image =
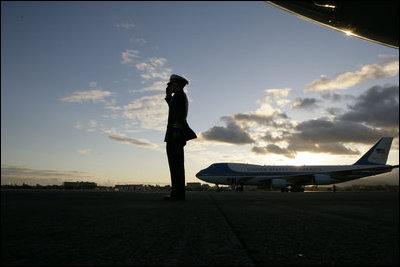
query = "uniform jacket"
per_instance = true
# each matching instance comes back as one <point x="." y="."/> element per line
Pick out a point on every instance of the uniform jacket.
<point x="178" y="129"/>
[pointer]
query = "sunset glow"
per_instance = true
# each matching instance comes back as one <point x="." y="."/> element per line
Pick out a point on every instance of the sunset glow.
<point x="83" y="88"/>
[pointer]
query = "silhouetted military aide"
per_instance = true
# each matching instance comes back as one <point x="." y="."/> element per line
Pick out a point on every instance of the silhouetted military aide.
<point x="178" y="132"/>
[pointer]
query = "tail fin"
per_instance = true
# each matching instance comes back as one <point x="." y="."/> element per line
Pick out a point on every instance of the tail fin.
<point x="378" y="154"/>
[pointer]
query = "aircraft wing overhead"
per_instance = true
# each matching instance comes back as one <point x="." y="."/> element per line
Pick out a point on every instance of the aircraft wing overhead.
<point x="375" y="21"/>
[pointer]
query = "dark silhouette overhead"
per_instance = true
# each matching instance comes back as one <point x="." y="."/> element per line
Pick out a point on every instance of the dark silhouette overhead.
<point x="375" y="21"/>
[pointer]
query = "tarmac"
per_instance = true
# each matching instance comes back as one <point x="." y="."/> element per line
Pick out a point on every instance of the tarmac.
<point x="70" y="228"/>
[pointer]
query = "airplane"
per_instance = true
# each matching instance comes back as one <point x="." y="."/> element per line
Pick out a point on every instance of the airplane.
<point x="374" y="21"/>
<point x="296" y="177"/>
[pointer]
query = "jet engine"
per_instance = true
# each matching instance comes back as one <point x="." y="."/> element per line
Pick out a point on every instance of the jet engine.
<point x="278" y="183"/>
<point x="322" y="179"/>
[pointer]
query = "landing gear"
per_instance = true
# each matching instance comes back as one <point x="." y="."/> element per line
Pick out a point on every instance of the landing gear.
<point x="235" y="185"/>
<point x="219" y="189"/>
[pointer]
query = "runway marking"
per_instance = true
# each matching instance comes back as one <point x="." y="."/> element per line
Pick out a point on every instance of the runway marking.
<point x="241" y="242"/>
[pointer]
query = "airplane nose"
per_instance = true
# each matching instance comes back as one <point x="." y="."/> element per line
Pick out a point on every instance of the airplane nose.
<point x="200" y="173"/>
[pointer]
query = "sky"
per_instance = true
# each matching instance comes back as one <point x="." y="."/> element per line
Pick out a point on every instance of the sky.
<point x="83" y="87"/>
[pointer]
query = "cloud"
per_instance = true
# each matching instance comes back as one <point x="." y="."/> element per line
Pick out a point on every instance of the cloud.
<point x="330" y="131"/>
<point x="156" y="86"/>
<point x="246" y="128"/>
<point x="125" y="25"/>
<point x="132" y="141"/>
<point x="378" y="106"/>
<point x="388" y="68"/>
<point x="325" y="136"/>
<point x="336" y="148"/>
<point x="273" y="149"/>
<point x="153" y="68"/>
<point x="93" y="123"/>
<point x="305" y="103"/>
<point x="151" y="112"/>
<point x="84" y="151"/>
<point x="271" y="138"/>
<point x="321" y="136"/>
<point x="278" y="93"/>
<point x="18" y="171"/>
<point x="370" y="116"/>
<point x="232" y="134"/>
<point x="78" y="126"/>
<point x="129" y="56"/>
<point x="333" y="111"/>
<point x="249" y="118"/>
<point x="95" y="95"/>
<point x="111" y="105"/>
<point x="273" y="97"/>
<point x="90" y="127"/>
<point x="374" y="114"/>
<point x="336" y="97"/>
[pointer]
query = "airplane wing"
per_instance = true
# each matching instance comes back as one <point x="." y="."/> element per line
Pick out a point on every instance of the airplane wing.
<point x="375" y="21"/>
<point x="305" y="178"/>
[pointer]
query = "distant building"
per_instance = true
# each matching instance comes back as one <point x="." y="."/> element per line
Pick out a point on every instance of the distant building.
<point x="205" y="187"/>
<point x="193" y="186"/>
<point x="79" y="185"/>
<point x="140" y="188"/>
<point x="129" y="187"/>
<point x="104" y="188"/>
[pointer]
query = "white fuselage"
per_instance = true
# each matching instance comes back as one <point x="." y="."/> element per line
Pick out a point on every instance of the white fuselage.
<point x="238" y="173"/>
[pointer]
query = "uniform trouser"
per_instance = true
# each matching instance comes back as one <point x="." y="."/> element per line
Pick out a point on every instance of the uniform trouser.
<point x="175" y="155"/>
